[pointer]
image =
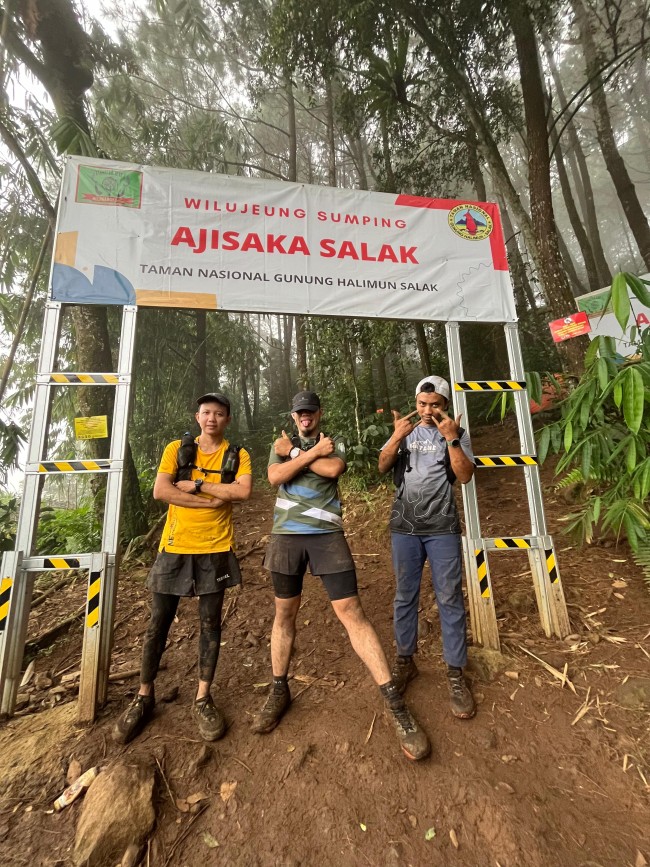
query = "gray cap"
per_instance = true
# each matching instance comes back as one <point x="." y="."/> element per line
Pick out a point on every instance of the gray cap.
<point x="214" y="397"/>
<point x="440" y="385"/>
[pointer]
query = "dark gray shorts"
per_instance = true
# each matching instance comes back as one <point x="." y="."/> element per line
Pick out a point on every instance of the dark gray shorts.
<point x="324" y="553"/>
<point x="193" y="574"/>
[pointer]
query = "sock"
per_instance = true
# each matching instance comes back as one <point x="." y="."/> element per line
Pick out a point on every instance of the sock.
<point x="280" y="683"/>
<point x="390" y="694"/>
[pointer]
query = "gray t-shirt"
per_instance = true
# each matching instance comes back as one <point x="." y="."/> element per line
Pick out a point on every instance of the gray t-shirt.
<point x="425" y="504"/>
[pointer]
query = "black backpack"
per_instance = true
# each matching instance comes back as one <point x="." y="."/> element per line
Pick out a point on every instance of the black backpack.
<point x="186" y="461"/>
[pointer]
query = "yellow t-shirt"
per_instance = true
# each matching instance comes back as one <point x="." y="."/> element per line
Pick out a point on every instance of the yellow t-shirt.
<point x="200" y="531"/>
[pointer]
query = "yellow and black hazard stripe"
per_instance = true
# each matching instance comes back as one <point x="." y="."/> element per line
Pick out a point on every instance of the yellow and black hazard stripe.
<point x="92" y="607"/>
<point x="73" y="466"/>
<point x="551" y="565"/>
<point x="505" y="460"/>
<point x="5" y="593"/>
<point x="504" y="544"/>
<point x="481" y="570"/>
<point x="491" y="385"/>
<point x="85" y="378"/>
<point x="60" y="563"/>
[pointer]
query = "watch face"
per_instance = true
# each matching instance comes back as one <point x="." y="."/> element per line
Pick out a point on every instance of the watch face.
<point x="295" y="451"/>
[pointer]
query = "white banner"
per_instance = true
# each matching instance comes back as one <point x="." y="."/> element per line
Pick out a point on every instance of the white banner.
<point x="130" y="234"/>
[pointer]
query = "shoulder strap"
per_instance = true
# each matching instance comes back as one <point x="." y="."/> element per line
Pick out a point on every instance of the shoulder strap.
<point x="186" y="457"/>
<point x="451" y="475"/>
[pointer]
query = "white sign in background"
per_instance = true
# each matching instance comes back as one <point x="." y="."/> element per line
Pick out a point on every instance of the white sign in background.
<point x="131" y="234"/>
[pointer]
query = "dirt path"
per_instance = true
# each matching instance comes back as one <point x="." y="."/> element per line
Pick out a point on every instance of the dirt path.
<point x="543" y="775"/>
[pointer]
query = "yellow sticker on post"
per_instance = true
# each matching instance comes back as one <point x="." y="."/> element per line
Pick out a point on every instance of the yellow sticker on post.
<point x="94" y="427"/>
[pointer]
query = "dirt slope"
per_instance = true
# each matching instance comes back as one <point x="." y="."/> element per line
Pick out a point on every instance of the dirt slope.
<point x="542" y="776"/>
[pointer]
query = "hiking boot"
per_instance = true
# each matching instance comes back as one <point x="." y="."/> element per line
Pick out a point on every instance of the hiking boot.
<point x="413" y="740"/>
<point x="272" y="711"/>
<point x="209" y="719"/>
<point x="462" y="703"/>
<point x="403" y="671"/>
<point x="134" y="718"/>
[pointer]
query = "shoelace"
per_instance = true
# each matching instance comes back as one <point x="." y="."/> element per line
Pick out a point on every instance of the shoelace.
<point x="457" y="686"/>
<point x="404" y="719"/>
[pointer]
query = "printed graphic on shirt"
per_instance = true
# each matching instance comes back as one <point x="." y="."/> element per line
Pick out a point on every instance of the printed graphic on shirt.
<point x="424" y="503"/>
<point x="309" y="503"/>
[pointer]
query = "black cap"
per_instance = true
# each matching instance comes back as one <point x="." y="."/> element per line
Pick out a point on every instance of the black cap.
<point x="305" y="400"/>
<point x="214" y="397"/>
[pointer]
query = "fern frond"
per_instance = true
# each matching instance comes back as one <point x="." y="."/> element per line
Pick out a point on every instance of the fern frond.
<point x="571" y="478"/>
<point x="642" y="558"/>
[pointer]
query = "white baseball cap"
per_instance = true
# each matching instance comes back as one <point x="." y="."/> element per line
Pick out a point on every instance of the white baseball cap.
<point x="440" y="385"/>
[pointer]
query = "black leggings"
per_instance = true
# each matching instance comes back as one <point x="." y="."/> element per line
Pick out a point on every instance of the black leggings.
<point x="163" y="609"/>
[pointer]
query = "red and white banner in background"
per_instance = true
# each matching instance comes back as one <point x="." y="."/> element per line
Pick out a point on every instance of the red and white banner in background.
<point x="570" y="326"/>
<point x="131" y="234"/>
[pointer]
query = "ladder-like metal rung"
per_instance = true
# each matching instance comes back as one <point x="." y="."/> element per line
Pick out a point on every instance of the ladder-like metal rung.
<point x="64" y="378"/>
<point x="514" y="543"/>
<point x="98" y="466"/>
<point x="506" y="460"/>
<point x="60" y="561"/>
<point x="479" y="385"/>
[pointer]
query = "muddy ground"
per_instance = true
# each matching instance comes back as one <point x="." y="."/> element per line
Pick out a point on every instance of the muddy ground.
<point x="548" y="773"/>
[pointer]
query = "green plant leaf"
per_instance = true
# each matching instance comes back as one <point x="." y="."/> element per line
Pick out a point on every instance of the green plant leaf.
<point x="586" y="460"/>
<point x="620" y="300"/>
<point x="544" y="442"/>
<point x="631" y="456"/>
<point x="638" y="288"/>
<point x="633" y="399"/>
<point x="603" y="373"/>
<point x="568" y="436"/>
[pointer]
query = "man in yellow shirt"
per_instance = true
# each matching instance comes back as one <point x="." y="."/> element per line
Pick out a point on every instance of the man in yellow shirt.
<point x="195" y="559"/>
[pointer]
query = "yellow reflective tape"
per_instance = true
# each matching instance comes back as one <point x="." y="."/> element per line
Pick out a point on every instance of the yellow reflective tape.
<point x="527" y="459"/>
<point x="59" y="377"/>
<point x="475" y="386"/>
<point x="93" y="618"/>
<point x="487" y="462"/>
<point x="4" y="610"/>
<point x="550" y="562"/>
<point x="5" y="584"/>
<point x="494" y="384"/>
<point x="58" y="562"/>
<point x="94" y="588"/>
<point x="508" y="462"/>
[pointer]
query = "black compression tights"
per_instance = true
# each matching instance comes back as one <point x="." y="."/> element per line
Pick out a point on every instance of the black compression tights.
<point x="163" y="609"/>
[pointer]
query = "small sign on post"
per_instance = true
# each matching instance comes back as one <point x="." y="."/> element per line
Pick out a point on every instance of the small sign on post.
<point x="570" y="326"/>
<point x="94" y="427"/>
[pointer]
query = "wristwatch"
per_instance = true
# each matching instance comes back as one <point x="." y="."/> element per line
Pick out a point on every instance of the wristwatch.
<point x="295" y="451"/>
<point x="198" y="483"/>
<point x="454" y="444"/>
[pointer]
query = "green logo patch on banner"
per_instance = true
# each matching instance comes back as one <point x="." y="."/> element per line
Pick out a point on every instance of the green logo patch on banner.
<point x="100" y="186"/>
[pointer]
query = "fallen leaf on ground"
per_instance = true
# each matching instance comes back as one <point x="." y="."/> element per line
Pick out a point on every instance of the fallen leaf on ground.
<point x="431" y="833"/>
<point x="453" y="838"/>
<point x="226" y="791"/>
<point x="209" y="840"/>
<point x="182" y="805"/>
<point x="414" y="822"/>
<point x="362" y="826"/>
<point x="196" y="797"/>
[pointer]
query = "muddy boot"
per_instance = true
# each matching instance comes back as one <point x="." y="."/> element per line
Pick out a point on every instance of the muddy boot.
<point x="403" y="671"/>
<point x="413" y="740"/>
<point x="134" y="718"/>
<point x="462" y="703"/>
<point x="272" y="711"/>
<point x="209" y="719"/>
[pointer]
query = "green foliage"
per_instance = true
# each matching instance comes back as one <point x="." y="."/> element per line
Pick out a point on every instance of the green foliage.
<point x="604" y="435"/>
<point x="8" y="518"/>
<point x="68" y="531"/>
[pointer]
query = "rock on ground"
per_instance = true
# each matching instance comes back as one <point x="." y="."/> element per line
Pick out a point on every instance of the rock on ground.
<point x="117" y="813"/>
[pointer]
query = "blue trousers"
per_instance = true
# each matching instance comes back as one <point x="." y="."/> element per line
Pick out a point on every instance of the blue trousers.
<point x="444" y="554"/>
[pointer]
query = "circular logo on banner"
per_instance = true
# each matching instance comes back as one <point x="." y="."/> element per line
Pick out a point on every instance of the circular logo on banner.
<point x="470" y="222"/>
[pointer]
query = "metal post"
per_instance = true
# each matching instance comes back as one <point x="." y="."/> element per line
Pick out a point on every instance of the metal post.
<point x="550" y="597"/>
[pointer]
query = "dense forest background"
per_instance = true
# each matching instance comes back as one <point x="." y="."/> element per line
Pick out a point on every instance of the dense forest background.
<point x="542" y="106"/>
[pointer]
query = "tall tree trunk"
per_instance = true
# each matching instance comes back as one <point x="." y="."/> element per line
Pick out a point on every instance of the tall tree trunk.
<point x="301" y="353"/>
<point x="287" y="341"/>
<point x="574" y="217"/>
<point x="517" y="267"/>
<point x="384" y="390"/>
<point x="552" y="272"/>
<point x="581" y="178"/>
<point x="200" y="356"/>
<point x="331" y="133"/>
<point x="616" y="167"/>
<point x="293" y="138"/>
<point x="366" y="381"/>
<point x="390" y="184"/>
<point x="475" y="167"/>
<point x="423" y="348"/>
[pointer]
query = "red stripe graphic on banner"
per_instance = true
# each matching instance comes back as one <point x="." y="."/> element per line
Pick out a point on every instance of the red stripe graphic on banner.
<point x="497" y="245"/>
